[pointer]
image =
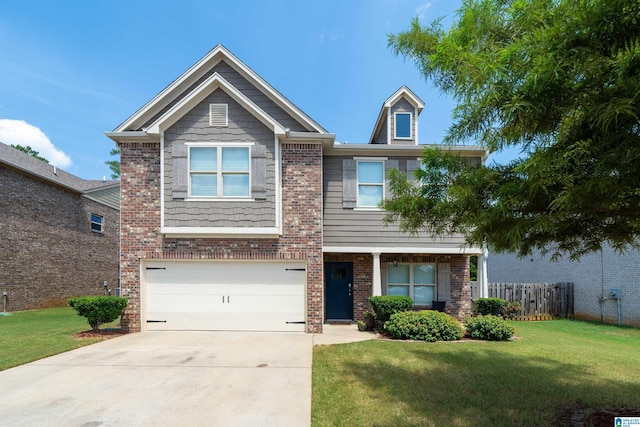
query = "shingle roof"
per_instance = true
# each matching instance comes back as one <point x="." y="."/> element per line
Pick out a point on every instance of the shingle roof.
<point x="27" y="164"/>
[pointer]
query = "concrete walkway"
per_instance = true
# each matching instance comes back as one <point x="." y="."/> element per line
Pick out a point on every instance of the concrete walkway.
<point x="171" y="379"/>
<point x="342" y="334"/>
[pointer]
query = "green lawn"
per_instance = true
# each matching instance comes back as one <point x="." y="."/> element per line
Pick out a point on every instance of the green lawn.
<point x="552" y="368"/>
<point x="31" y="335"/>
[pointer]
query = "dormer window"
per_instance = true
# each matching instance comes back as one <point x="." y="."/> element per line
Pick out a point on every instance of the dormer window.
<point x="402" y="125"/>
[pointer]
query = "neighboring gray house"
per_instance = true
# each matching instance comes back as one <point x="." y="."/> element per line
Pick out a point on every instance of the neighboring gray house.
<point x="594" y="276"/>
<point x="58" y="233"/>
<point x="240" y="212"/>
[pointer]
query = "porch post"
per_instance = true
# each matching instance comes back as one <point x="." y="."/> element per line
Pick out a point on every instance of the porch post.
<point x="377" y="283"/>
<point x="483" y="276"/>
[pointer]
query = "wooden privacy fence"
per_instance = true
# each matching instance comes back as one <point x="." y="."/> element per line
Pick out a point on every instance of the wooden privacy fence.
<point x="538" y="301"/>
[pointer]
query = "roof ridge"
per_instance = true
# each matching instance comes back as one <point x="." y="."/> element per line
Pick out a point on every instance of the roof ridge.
<point x="20" y="160"/>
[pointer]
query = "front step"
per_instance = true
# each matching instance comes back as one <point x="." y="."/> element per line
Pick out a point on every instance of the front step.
<point x="339" y="322"/>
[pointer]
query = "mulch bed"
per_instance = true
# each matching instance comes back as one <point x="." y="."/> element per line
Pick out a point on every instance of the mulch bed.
<point x="103" y="334"/>
<point x="595" y="417"/>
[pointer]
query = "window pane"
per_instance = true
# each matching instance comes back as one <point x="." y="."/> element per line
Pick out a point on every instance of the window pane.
<point x="204" y="185"/>
<point x="424" y="273"/>
<point x="399" y="274"/>
<point x="235" y="159"/>
<point x="423" y="295"/>
<point x="402" y="290"/>
<point x="403" y="125"/>
<point x="369" y="195"/>
<point x="235" y="185"/>
<point x="370" y="172"/>
<point x="96" y="218"/>
<point x="202" y="159"/>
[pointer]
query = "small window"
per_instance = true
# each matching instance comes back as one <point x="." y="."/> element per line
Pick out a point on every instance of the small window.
<point x="417" y="281"/>
<point x="370" y="183"/>
<point x="403" y="125"/>
<point x="218" y="115"/>
<point x="219" y="171"/>
<point x="97" y="224"/>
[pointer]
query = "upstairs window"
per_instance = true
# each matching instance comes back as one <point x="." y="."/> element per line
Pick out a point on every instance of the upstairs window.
<point x="370" y="183"/>
<point x="402" y="125"/>
<point x="97" y="223"/>
<point x="219" y="171"/>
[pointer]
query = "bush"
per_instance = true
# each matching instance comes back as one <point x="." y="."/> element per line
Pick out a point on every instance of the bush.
<point x="426" y="325"/>
<point x="386" y="305"/>
<point x="98" y="310"/>
<point x="510" y="311"/>
<point x="491" y="306"/>
<point x="489" y="327"/>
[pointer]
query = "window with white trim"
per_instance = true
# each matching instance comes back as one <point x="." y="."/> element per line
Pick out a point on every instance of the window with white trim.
<point x="370" y="183"/>
<point x="219" y="171"/>
<point x="417" y="281"/>
<point x="97" y="223"/>
<point x="402" y="123"/>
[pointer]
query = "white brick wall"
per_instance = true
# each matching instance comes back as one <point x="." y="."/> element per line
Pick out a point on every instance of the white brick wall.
<point x="594" y="275"/>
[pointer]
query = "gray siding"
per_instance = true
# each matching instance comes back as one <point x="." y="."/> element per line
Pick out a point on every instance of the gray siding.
<point x="244" y="86"/>
<point x="110" y="196"/>
<point x="383" y="134"/>
<point x="349" y="227"/>
<point x="403" y="106"/>
<point x="243" y="127"/>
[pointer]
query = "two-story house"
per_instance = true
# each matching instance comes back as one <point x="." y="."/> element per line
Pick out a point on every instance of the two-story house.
<point x="240" y="212"/>
<point x="58" y="233"/>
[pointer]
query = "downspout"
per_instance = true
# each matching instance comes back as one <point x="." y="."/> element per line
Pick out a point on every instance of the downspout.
<point x="602" y="298"/>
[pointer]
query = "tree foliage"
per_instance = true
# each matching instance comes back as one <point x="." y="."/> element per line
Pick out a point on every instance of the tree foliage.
<point x="560" y="79"/>
<point x="30" y="151"/>
<point x="114" y="165"/>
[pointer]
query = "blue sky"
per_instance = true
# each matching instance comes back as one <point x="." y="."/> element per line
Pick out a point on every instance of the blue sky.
<point x="71" y="70"/>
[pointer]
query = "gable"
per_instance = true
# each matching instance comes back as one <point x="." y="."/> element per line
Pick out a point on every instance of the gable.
<point x="403" y="101"/>
<point x="247" y="82"/>
<point x="242" y="129"/>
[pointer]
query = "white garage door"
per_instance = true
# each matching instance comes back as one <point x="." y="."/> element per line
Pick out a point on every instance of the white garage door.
<point x="225" y="295"/>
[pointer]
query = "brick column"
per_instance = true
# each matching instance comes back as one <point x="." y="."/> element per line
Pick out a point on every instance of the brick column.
<point x="460" y="307"/>
<point x="140" y="220"/>
<point x="302" y="219"/>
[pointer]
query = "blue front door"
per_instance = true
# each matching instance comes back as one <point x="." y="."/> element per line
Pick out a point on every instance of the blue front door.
<point x="339" y="290"/>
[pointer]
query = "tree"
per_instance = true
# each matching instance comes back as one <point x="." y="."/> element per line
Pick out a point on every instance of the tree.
<point x="560" y="79"/>
<point x="114" y="165"/>
<point x="30" y="151"/>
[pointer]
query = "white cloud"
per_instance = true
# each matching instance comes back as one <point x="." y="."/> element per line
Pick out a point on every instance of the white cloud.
<point x="20" y="132"/>
<point x="331" y="36"/>
<point x="421" y="10"/>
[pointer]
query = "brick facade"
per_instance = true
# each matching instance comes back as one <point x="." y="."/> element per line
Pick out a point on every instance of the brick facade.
<point x="301" y="237"/>
<point x="459" y="305"/>
<point x="49" y="252"/>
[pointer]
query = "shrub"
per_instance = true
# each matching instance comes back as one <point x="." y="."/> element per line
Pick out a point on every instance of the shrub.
<point x="489" y="327"/>
<point x="426" y="325"/>
<point x="386" y="305"/>
<point x="98" y="310"/>
<point x="491" y="306"/>
<point x="510" y="311"/>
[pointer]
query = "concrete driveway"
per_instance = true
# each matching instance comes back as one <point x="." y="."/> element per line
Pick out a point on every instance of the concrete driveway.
<point x="166" y="379"/>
